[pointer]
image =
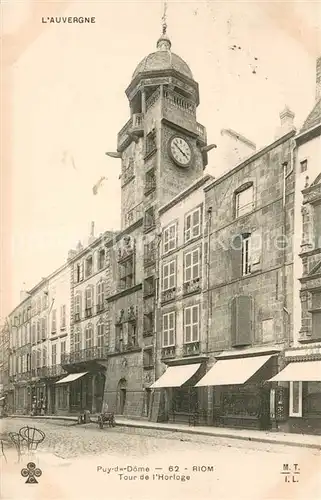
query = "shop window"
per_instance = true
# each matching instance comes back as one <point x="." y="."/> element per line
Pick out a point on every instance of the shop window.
<point x="295" y="409"/>
<point x="312" y="399"/>
<point x="241" y="321"/>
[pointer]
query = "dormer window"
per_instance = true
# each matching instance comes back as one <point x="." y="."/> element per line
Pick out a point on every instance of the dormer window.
<point x="244" y="200"/>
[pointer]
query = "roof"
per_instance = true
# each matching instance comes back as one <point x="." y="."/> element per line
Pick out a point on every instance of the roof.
<point x="314" y="117"/>
<point x="162" y="60"/>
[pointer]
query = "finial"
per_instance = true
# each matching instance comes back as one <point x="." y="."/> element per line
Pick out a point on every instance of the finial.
<point x="164" y="42"/>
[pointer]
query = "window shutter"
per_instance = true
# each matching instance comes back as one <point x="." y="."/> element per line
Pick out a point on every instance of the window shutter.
<point x="241" y="321"/>
<point x="234" y="321"/>
<point x="236" y="256"/>
<point x="256" y="251"/>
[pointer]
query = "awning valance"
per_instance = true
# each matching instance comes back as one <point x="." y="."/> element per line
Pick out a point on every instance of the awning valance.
<point x="233" y="371"/>
<point x="175" y="376"/>
<point x="300" y="371"/>
<point x="71" y="377"/>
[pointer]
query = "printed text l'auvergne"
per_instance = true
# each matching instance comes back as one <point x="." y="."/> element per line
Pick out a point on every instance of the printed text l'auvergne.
<point x="70" y="20"/>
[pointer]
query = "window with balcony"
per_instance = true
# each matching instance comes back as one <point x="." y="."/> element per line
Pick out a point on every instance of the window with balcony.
<point x="89" y="266"/>
<point x="169" y="238"/>
<point x="53" y="354"/>
<point x="78" y="306"/>
<point x="77" y="340"/>
<point x="149" y="219"/>
<point x="191" y="324"/>
<point x="169" y="329"/>
<point x="62" y="317"/>
<point x="53" y="321"/>
<point x="193" y="224"/>
<point x="100" y="294"/>
<point x="192" y="270"/>
<point x="89" y="301"/>
<point x="126" y="273"/>
<point x="89" y="336"/>
<point x="150" y="182"/>
<point x="244" y="200"/>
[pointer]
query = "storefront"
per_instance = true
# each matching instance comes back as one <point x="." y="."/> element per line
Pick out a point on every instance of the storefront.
<point x="77" y="392"/>
<point x="38" y="398"/>
<point x="240" y="395"/>
<point x="301" y="382"/>
<point x="183" y="402"/>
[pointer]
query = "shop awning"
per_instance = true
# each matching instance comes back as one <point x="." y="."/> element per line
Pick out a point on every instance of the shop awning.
<point x="175" y="376"/>
<point x="233" y="371"/>
<point x="300" y="371"/>
<point x="71" y="377"/>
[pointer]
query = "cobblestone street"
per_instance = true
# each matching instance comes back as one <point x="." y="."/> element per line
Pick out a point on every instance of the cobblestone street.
<point x="82" y="461"/>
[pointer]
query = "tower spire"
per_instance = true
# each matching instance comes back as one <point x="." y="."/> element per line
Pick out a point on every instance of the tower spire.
<point x="164" y="42"/>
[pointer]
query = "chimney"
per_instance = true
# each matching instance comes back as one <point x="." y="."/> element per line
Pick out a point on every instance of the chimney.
<point x="287" y="122"/>
<point x="71" y="254"/>
<point x="92" y="238"/>
<point x="318" y="79"/>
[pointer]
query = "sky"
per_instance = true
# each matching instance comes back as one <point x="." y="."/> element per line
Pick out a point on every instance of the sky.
<point x="68" y="103"/>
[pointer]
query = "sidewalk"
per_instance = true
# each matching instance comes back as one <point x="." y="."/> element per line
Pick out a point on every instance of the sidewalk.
<point x="289" y="439"/>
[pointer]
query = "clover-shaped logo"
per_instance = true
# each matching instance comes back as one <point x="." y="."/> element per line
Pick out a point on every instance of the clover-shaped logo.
<point x="31" y="472"/>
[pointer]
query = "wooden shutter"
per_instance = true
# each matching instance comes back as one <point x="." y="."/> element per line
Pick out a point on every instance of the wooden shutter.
<point x="256" y="250"/>
<point x="241" y="321"/>
<point x="236" y="256"/>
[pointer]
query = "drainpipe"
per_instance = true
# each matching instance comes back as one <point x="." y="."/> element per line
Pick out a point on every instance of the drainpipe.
<point x="208" y="320"/>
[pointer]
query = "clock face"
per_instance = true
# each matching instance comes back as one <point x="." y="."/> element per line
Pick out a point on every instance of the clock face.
<point x="180" y="151"/>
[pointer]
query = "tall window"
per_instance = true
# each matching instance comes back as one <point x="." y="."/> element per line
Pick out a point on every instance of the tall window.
<point x="246" y="254"/>
<point x="44" y="356"/>
<point x="317" y="225"/>
<point x="244" y="201"/>
<point x="77" y="339"/>
<point x="53" y="354"/>
<point x="192" y="265"/>
<point x="62" y="348"/>
<point x="241" y="321"/>
<point x="169" y="275"/>
<point x="169" y="238"/>
<point x="89" y="300"/>
<point x="63" y="317"/>
<point x="316" y="315"/>
<point x="89" y="266"/>
<point x="119" y="337"/>
<point x="193" y="224"/>
<point x="43" y="328"/>
<point x="38" y="358"/>
<point x="33" y="333"/>
<point x="169" y="329"/>
<point x="191" y="324"/>
<point x="101" y="259"/>
<point x="78" y="306"/>
<point x="100" y="296"/>
<point x="53" y="321"/>
<point x="100" y="334"/>
<point x="132" y="333"/>
<point x="38" y="330"/>
<point x="89" y="336"/>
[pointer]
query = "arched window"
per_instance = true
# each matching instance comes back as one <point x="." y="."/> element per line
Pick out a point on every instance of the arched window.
<point x="89" y="336"/>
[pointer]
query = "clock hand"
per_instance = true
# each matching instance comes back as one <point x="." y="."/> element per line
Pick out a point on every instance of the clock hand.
<point x="183" y="153"/>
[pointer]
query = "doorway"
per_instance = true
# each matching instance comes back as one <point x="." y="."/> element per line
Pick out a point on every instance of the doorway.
<point x="121" y="396"/>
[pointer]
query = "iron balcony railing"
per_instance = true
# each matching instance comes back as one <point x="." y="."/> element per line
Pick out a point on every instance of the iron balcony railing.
<point x="82" y="355"/>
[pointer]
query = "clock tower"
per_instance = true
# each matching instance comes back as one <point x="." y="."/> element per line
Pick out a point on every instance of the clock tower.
<point x="162" y="146"/>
